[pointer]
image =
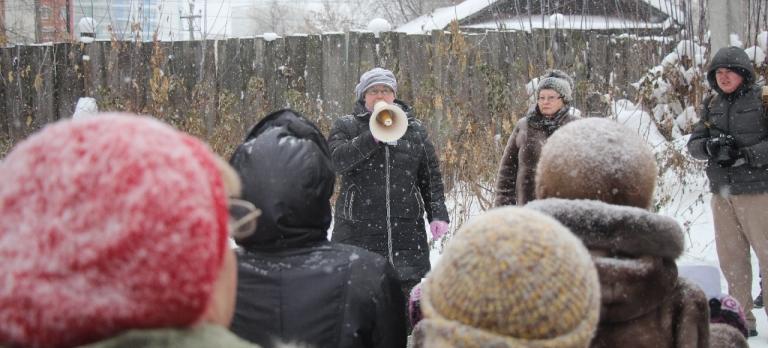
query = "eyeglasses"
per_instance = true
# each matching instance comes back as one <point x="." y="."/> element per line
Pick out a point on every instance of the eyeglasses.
<point x="379" y="91"/>
<point x="243" y="216"/>
<point x="549" y="99"/>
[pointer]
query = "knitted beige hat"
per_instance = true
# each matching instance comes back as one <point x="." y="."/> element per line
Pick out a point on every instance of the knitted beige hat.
<point x="511" y="277"/>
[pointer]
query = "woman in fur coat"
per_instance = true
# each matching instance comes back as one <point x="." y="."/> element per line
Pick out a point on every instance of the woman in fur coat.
<point x="597" y="178"/>
<point x="515" y="180"/>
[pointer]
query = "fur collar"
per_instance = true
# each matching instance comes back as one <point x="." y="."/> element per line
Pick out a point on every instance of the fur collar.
<point x="617" y="229"/>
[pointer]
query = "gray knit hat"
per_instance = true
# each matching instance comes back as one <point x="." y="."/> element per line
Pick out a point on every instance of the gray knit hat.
<point x="373" y="77"/>
<point x="558" y="81"/>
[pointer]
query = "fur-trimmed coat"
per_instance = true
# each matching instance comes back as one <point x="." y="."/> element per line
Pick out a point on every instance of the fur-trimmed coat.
<point x="644" y="302"/>
<point x="515" y="182"/>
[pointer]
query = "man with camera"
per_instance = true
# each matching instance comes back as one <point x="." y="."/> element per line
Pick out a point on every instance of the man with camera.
<point x="732" y="136"/>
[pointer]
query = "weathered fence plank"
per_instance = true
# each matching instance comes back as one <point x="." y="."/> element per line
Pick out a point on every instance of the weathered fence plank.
<point x="67" y="77"/>
<point x="20" y="92"/>
<point x="274" y="72"/>
<point x="334" y="75"/>
<point x="361" y="55"/>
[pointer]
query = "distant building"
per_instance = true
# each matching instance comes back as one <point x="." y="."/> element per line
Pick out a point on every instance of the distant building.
<point x="54" y="21"/>
<point x="642" y="17"/>
<point x="35" y="21"/>
<point x="20" y="21"/>
<point x="132" y="19"/>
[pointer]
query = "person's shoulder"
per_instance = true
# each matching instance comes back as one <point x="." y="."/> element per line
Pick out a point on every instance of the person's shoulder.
<point x="345" y="118"/>
<point x="346" y="123"/>
<point x="523" y="122"/>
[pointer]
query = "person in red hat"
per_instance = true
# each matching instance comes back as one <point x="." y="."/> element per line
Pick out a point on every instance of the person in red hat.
<point x="114" y="232"/>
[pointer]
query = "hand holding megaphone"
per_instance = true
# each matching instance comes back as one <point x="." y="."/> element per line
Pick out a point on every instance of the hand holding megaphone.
<point x="388" y="122"/>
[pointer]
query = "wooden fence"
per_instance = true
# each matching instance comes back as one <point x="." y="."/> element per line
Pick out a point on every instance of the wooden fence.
<point x="467" y="88"/>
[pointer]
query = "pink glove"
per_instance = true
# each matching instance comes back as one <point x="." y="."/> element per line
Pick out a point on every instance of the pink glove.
<point x="414" y="305"/>
<point x="438" y="228"/>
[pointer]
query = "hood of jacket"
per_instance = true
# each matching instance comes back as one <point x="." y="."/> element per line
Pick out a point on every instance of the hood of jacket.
<point x="736" y="59"/>
<point x="286" y="169"/>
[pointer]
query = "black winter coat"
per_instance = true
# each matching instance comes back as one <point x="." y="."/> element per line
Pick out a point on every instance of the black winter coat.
<point x="293" y="284"/>
<point x="385" y="190"/>
<point x="742" y="115"/>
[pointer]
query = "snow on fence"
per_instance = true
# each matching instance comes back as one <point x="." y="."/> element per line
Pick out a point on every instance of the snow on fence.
<point x="469" y="89"/>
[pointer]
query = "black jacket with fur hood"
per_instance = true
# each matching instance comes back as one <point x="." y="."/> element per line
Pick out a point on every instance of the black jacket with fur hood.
<point x="293" y="284"/>
<point x="644" y="302"/>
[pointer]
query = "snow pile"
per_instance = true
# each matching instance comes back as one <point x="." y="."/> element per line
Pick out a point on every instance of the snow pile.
<point x="756" y="55"/>
<point x="735" y="40"/>
<point x="557" y="20"/>
<point x="270" y="36"/>
<point x="762" y="40"/>
<point x="441" y="17"/>
<point x="85" y="108"/>
<point x="672" y="87"/>
<point x="377" y="25"/>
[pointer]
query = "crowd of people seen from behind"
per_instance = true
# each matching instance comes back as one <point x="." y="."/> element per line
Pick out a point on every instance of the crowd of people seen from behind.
<point x="117" y="230"/>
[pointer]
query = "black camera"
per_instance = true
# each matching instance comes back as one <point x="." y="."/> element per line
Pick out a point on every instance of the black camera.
<point x="722" y="149"/>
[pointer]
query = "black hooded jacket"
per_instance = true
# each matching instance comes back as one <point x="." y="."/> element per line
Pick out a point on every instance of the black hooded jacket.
<point x="740" y="114"/>
<point x="294" y="285"/>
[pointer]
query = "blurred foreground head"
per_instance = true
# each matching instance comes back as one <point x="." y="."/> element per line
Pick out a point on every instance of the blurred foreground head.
<point x="597" y="159"/>
<point x="511" y="277"/>
<point x="108" y="224"/>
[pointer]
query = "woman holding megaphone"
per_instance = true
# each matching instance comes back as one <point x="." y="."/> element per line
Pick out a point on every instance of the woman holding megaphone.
<point x="390" y="176"/>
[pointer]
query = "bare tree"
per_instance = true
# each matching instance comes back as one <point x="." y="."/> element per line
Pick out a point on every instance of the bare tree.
<point x="336" y="17"/>
<point x="402" y="11"/>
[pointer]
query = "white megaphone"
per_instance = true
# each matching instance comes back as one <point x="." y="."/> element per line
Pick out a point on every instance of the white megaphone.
<point x="388" y="121"/>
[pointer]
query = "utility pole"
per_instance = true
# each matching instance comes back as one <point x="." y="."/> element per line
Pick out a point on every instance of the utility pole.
<point x="191" y="19"/>
<point x="38" y="32"/>
<point x="726" y="18"/>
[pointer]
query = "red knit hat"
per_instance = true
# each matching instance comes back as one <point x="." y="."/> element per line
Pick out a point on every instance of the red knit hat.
<point x="106" y="224"/>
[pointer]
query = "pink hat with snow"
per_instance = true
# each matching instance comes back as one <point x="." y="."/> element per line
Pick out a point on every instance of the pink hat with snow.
<point x="107" y="224"/>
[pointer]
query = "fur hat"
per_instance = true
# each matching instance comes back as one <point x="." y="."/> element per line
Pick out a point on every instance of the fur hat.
<point x="511" y="277"/>
<point x="599" y="159"/>
<point x="108" y="224"/>
<point x="558" y="81"/>
<point x="373" y="77"/>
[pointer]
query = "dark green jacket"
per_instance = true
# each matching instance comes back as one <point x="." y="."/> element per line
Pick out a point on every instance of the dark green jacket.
<point x="204" y="336"/>
<point x="742" y="115"/>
